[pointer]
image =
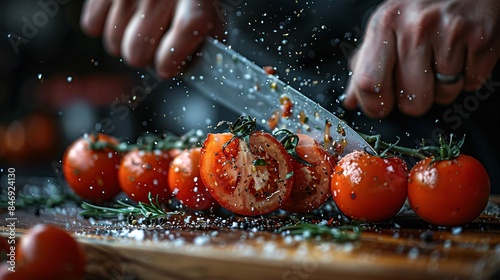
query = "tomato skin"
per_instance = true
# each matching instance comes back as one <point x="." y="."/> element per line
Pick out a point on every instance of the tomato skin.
<point x="450" y="192"/>
<point x="142" y="172"/>
<point x="19" y="273"/>
<point x="92" y="174"/>
<point x="369" y="188"/>
<point x="52" y="252"/>
<point x="185" y="182"/>
<point x="311" y="183"/>
<point x="239" y="179"/>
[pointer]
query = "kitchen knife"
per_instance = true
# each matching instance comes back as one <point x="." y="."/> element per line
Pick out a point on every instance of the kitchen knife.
<point x="235" y="82"/>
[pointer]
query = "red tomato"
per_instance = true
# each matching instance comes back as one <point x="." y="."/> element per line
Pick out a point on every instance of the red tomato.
<point x="449" y="192"/>
<point x="7" y="272"/>
<point x="51" y="252"/>
<point x="248" y="179"/>
<point x="91" y="173"/>
<point x="185" y="182"/>
<point x="4" y="248"/>
<point x="142" y="172"/>
<point x="311" y="183"/>
<point x="369" y="188"/>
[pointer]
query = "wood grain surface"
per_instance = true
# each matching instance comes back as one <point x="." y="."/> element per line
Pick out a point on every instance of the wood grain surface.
<point x="210" y="247"/>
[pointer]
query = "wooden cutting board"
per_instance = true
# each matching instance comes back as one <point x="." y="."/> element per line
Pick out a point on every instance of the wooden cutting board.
<point x="211" y="247"/>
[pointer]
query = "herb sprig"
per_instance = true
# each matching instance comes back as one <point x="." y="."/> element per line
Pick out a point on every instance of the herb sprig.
<point x="42" y="195"/>
<point x="151" y="210"/>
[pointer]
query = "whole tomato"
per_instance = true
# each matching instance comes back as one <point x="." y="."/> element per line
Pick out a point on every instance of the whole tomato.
<point x="448" y="192"/>
<point x="369" y="188"/>
<point x="185" y="182"/>
<point x="91" y="168"/>
<point x="142" y="172"/>
<point x="8" y="272"/>
<point x="51" y="252"/>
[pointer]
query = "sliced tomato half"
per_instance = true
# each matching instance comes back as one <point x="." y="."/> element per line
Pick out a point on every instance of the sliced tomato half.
<point x="312" y="176"/>
<point x="251" y="177"/>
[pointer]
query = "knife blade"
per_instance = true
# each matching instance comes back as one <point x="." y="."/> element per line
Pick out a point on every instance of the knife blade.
<point x="238" y="84"/>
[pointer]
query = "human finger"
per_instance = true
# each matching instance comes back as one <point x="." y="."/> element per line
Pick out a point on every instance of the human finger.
<point x="449" y="60"/>
<point x="482" y="55"/>
<point x="371" y="85"/>
<point x="193" y="20"/>
<point x="118" y="18"/>
<point x="93" y="16"/>
<point x="414" y="80"/>
<point x="144" y="32"/>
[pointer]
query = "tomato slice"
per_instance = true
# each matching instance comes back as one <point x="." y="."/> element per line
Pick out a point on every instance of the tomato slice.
<point x="311" y="182"/>
<point x="251" y="178"/>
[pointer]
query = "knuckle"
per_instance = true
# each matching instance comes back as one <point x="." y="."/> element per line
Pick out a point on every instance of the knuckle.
<point x="136" y="53"/>
<point x="386" y="17"/>
<point x="413" y="109"/>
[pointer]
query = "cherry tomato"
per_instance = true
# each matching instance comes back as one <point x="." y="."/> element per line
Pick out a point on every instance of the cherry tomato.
<point x="185" y="182"/>
<point x="311" y="181"/>
<point x="142" y="172"/>
<point x="91" y="173"/>
<point x="369" y="188"/>
<point x="449" y="192"/>
<point x="52" y="252"/>
<point x="248" y="178"/>
<point x="4" y="248"/>
<point x="8" y="272"/>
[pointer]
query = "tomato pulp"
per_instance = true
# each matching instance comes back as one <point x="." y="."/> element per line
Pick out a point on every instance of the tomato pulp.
<point x="248" y="178"/>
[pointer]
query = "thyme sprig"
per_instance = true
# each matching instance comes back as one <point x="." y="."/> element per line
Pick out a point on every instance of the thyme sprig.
<point x="46" y="195"/>
<point x="290" y="142"/>
<point x="342" y="233"/>
<point x="151" y="141"/>
<point x="445" y="150"/>
<point x="151" y="210"/>
<point x="241" y="128"/>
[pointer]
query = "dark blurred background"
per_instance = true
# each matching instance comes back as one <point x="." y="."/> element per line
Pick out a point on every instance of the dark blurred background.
<point x="56" y="83"/>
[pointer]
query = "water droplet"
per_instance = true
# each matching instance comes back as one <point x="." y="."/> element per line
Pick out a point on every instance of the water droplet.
<point x="456" y="230"/>
<point x="40" y="76"/>
<point x="155" y="182"/>
<point x="69" y="79"/>
<point x="353" y="195"/>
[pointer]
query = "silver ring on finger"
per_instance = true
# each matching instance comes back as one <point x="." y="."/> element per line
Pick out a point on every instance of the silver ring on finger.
<point x="448" y="79"/>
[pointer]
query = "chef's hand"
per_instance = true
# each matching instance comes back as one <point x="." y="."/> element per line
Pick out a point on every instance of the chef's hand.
<point x="410" y="45"/>
<point x="162" y="33"/>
